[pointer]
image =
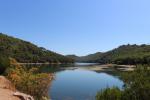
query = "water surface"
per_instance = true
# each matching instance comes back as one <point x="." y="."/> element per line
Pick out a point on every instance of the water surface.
<point x="80" y="84"/>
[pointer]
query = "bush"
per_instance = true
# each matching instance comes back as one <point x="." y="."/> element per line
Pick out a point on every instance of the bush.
<point x="109" y="94"/>
<point x="137" y="87"/>
<point x="29" y="81"/>
<point x="137" y="84"/>
<point x="4" y="63"/>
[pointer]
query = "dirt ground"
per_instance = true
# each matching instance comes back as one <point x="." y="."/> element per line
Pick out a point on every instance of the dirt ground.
<point x="6" y="90"/>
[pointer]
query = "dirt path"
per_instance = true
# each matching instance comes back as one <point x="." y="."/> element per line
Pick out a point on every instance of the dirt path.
<point x="6" y="94"/>
<point x="6" y="89"/>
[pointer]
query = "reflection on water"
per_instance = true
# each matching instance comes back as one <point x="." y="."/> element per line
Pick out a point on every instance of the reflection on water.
<point x="80" y="84"/>
<point x="75" y="83"/>
<point x="85" y="64"/>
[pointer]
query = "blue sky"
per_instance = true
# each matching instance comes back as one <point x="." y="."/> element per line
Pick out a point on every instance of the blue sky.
<point x="77" y="26"/>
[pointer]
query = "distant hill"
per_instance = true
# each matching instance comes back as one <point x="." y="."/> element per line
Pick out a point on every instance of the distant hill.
<point x="76" y="58"/>
<point x="125" y="54"/>
<point x="27" y="52"/>
<point x="89" y="58"/>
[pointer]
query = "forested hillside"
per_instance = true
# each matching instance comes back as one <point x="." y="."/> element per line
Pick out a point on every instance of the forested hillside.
<point x="26" y="52"/>
<point x="125" y="54"/>
<point x="76" y="58"/>
<point x="91" y="58"/>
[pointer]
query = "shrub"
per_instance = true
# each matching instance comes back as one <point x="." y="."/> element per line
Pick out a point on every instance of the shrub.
<point x="29" y="81"/>
<point x="137" y="87"/>
<point x="109" y="94"/>
<point x="137" y="84"/>
<point x="4" y="63"/>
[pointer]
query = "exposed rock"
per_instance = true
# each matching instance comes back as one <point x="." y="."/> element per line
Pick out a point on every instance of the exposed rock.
<point x="23" y="96"/>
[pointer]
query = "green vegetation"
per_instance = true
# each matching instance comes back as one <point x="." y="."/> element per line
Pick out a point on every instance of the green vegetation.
<point x="29" y="81"/>
<point x="136" y="87"/>
<point x="109" y="94"/>
<point x="89" y="58"/>
<point x="4" y="63"/>
<point x="125" y="54"/>
<point x="26" y="52"/>
<point x="32" y="81"/>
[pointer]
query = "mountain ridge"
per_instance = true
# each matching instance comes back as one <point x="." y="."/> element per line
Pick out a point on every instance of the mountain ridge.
<point x="124" y="54"/>
<point x="27" y="52"/>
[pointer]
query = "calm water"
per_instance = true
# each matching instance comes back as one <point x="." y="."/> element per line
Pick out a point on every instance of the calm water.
<point x="80" y="84"/>
<point x="85" y="64"/>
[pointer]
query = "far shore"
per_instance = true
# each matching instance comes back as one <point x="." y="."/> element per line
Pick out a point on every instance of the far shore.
<point x="104" y="67"/>
<point x="42" y="63"/>
<point x="37" y="63"/>
<point x="109" y="67"/>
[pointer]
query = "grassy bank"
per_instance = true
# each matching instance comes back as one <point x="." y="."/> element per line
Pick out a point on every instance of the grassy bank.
<point x="136" y="87"/>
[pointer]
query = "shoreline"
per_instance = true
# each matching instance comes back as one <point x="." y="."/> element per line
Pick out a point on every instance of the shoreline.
<point x="43" y="63"/>
<point x="110" y="67"/>
<point x="103" y="67"/>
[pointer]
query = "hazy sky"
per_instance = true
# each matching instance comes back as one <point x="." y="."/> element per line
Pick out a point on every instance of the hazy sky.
<point x="77" y="26"/>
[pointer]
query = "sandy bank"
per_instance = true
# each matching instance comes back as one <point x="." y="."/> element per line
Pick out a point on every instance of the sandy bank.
<point x="6" y="90"/>
<point x="109" y="67"/>
<point x="6" y="94"/>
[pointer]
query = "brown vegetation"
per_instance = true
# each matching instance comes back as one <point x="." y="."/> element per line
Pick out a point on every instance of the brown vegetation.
<point x="29" y="81"/>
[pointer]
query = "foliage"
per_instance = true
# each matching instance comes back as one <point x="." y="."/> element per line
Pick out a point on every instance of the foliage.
<point x="128" y="54"/>
<point x="4" y="63"/>
<point x="29" y="81"/>
<point x="89" y="58"/>
<point x="109" y="94"/>
<point x="125" y="54"/>
<point x="137" y="86"/>
<point x="26" y="52"/>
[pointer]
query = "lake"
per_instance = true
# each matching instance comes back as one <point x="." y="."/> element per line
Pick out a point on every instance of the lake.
<point x="80" y="84"/>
